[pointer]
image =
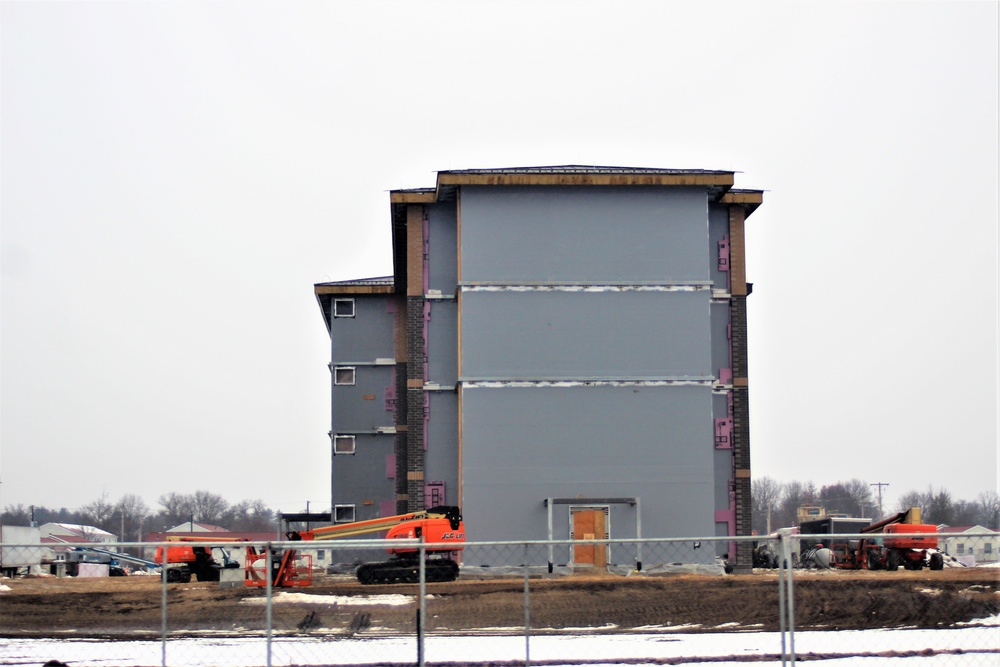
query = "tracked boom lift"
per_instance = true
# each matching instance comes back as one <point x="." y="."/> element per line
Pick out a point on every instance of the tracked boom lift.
<point x="440" y="526"/>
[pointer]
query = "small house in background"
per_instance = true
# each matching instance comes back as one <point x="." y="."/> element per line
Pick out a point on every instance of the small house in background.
<point x="60" y="538"/>
<point x="73" y="533"/>
<point x="971" y="545"/>
<point x="196" y="527"/>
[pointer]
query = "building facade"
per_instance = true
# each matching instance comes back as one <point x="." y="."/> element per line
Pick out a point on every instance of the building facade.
<point x="561" y="351"/>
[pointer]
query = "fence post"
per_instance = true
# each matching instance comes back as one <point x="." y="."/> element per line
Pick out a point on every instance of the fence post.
<point x="527" y="611"/>
<point x="421" y="606"/>
<point x="163" y="605"/>
<point x="267" y="605"/>
<point x="638" y="537"/>
<point x="786" y="556"/>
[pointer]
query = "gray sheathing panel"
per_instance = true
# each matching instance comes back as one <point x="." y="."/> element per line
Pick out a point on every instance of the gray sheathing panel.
<point x="720" y="338"/>
<point x="718" y="227"/>
<point x="352" y="411"/>
<point x="368" y="335"/>
<point x="442" y="343"/>
<point x="442" y="247"/>
<point x="557" y="334"/>
<point x="723" y="462"/>
<point x="584" y="234"/>
<point x="362" y="476"/>
<point x="441" y="458"/>
<point x="523" y="445"/>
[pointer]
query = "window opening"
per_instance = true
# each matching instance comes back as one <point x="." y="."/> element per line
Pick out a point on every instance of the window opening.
<point x="343" y="307"/>
<point x="343" y="375"/>
<point x="343" y="513"/>
<point x="344" y="444"/>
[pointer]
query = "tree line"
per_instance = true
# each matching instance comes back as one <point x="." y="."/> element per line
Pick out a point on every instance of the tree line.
<point x="858" y="498"/>
<point x="130" y="517"/>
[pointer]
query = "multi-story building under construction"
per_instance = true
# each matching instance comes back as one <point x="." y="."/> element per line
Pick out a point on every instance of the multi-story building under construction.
<point x="561" y="351"/>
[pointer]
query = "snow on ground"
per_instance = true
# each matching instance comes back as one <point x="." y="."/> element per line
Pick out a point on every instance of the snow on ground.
<point x="342" y="600"/>
<point x="555" y="651"/>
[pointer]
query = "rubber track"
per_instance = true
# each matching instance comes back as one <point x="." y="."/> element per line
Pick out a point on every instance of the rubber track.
<point x="397" y="572"/>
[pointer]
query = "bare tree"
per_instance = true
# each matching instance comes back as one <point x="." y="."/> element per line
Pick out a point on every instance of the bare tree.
<point x="177" y="508"/>
<point x="988" y="509"/>
<point x="862" y="496"/>
<point x="208" y="507"/>
<point x="940" y="507"/>
<point x="100" y="513"/>
<point x="251" y="515"/>
<point x="133" y="511"/>
<point x="912" y="499"/>
<point x="835" y="498"/>
<point x="15" y="515"/>
<point x="765" y="494"/>
<point x="794" y="495"/>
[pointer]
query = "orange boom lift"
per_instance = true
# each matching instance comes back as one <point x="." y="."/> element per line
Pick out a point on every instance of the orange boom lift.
<point x="441" y="526"/>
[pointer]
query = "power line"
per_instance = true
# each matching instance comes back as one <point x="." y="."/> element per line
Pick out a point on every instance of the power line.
<point x="880" y="485"/>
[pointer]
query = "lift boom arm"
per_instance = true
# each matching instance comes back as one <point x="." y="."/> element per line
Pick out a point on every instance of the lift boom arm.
<point x="376" y="525"/>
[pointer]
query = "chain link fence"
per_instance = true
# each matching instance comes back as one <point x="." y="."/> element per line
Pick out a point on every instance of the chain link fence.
<point x="667" y="601"/>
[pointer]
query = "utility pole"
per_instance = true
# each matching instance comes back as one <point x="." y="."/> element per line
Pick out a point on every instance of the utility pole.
<point x="880" y="485"/>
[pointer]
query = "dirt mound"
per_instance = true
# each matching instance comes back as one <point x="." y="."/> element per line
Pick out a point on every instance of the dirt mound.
<point x="131" y="606"/>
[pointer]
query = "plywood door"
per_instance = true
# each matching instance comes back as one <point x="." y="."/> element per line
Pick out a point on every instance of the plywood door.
<point x="590" y="524"/>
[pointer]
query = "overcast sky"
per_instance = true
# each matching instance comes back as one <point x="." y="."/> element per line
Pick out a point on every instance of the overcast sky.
<point x="177" y="176"/>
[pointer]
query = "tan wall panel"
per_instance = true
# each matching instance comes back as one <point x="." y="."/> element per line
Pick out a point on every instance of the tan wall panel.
<point x="414" y="250"/>
<point x="737" y="251"/>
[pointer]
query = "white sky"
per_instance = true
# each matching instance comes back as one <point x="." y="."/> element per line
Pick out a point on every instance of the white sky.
<point x="177" y="176"/>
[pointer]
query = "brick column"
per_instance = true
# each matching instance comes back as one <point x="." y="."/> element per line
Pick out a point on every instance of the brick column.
<point x="416" y="353"/>
<point x="741" y="429"/>
<point x="402" y="431"/>
<point x="741" y="384"/>
<point x="415" y="404"/>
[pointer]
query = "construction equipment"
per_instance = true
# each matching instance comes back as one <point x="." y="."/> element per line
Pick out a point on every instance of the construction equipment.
<point x="882" y="550"/>
<point x="113" y="559"/>
<point x="441" y="526"/>
<point x="815" y="544"/>
<point x="185" y="560"/>
<point x="889" y="552"/>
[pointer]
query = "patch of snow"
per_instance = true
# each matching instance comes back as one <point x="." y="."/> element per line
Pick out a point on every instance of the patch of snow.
<point x="4" y="587"/>
<point x="392" y="600"/>
<point x="606" y="626"/>
<point x="723" y="649"/>
<point x="930" y="591"/>
<point x="986" y="621"/>
<point x="667" y="628"/>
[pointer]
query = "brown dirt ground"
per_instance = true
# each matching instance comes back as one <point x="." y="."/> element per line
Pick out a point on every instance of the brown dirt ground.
<point x="130" y="607"/>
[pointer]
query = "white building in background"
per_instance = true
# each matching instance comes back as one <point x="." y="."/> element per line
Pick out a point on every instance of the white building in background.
<point x="74" y="533"/>
<point x="970" y="544"/>
<point x="61" y="537"/>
